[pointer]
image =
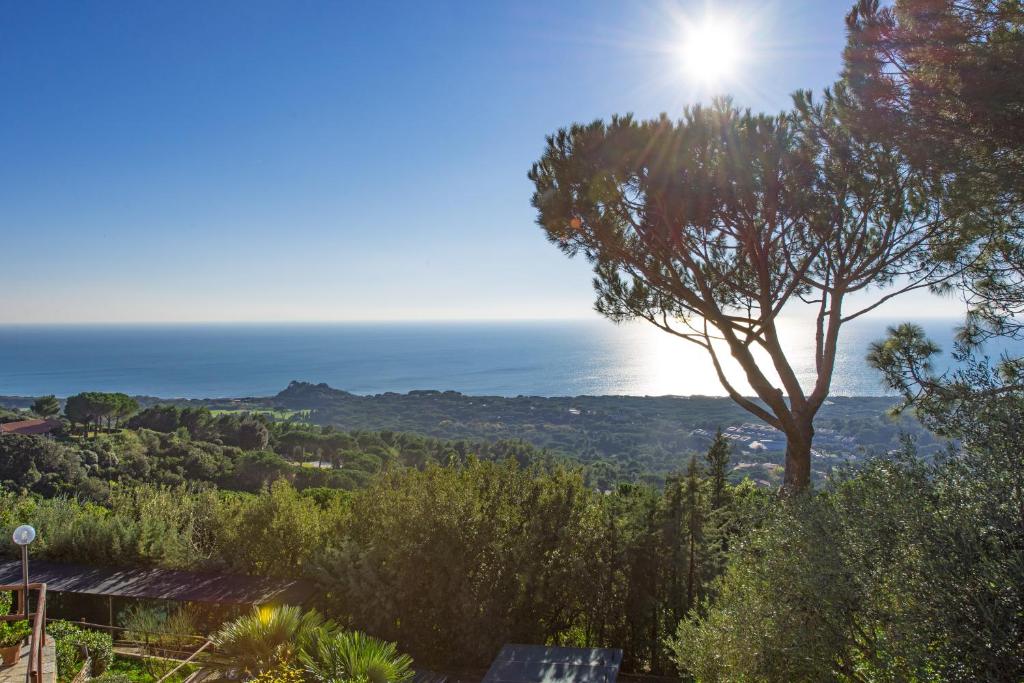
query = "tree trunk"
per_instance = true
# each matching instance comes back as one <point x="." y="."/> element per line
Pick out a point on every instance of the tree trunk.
<point x="797" y="475"/>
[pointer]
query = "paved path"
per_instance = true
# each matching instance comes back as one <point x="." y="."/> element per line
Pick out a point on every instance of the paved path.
<point x="17" y="673"/>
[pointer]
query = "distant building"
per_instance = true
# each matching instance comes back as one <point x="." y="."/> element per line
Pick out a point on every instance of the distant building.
<point x="37" y="427"/>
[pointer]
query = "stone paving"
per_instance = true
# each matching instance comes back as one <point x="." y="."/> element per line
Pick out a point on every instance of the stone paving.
<point x="18" y="672"/>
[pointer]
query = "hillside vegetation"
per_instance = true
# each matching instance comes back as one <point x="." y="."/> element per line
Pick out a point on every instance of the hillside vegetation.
<point x="618" y="438"/>
<point x="623" y="438"/>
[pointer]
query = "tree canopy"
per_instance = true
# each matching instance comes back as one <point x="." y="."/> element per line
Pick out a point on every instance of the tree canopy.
<point x="941" y="79"/>
<point x="97" y="407"/>
<point x="46" y="406"/>
<point x="710" y="226"/>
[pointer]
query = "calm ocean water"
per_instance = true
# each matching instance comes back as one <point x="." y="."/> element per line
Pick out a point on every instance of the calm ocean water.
<point x="538" y="358"/>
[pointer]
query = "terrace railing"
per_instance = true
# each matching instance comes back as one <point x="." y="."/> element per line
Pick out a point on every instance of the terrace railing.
<point x="184" y="662"/>
<point x="34" y="668"/>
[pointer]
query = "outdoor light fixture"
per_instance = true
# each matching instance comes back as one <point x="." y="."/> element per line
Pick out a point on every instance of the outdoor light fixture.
<point x="22" y="536"/>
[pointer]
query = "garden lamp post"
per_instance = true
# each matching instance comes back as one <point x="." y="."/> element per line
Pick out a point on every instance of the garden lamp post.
<point x="24" y="535"/>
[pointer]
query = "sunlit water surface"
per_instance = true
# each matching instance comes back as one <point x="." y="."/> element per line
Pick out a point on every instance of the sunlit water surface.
<point x="528" y="358"/>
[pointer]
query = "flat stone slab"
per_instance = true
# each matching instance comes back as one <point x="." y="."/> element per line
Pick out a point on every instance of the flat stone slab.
<point x="19" y="672"/>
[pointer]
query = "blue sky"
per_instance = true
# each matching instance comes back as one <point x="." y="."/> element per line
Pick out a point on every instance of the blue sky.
<point x="327" y="160"/>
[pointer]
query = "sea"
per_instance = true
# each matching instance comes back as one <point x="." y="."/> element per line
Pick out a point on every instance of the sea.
<point x="540" y="358"/>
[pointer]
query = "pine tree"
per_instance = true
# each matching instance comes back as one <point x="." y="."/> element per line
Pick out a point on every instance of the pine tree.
<point x="694" y="532"/>
<point x="718" y="464"/>
<point x="46" y="406"/>
<point x="710" y="226"/>
<point x="674" y="539"/>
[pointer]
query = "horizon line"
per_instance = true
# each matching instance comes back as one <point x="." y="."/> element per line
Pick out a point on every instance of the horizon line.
<point x="380" y="321"/>
<point x="292" y="321"/>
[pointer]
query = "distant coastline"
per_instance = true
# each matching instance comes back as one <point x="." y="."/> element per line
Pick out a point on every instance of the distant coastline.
<point x="536" y="358"/>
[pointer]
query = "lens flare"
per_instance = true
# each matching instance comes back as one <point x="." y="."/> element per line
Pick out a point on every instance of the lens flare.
<point x="710" y="51"/>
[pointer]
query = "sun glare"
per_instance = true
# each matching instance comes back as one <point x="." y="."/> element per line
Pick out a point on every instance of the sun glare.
<point x="710" y="51"/>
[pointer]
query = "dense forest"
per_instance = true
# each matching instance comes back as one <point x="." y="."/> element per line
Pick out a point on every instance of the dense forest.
<point x="638" y="435"/>
<point x="619" y="438"/>
<point x="170" y="446"/>
<point x="450" y="548"/>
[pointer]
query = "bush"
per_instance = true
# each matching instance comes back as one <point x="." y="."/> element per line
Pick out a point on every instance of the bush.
<point x="160" y="629"/>
<point x="112" y="677"/>
<point x="355" y="656"/>
<point x="144" y="670"/>
<point x="283" y="673"/>
<point x="906" y="570"/>
<point x="13" y="632"/>
<point x="74" y="644"/>
<point x="265" y="638"/>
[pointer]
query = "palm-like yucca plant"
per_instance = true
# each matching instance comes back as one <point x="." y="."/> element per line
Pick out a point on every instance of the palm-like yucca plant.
<point x="349" y="656"/>
<point x="267" y="637"/>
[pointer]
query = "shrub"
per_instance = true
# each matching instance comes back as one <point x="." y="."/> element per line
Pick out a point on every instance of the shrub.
<point x="161" y="629"/>
<point x="355" y="656"/>
<point x="74" y="644"/>
<point x="906" y="570"/>
<point x="13" y="632"/>
<point x="282" y="673"/>
<point x="112" y="677"/>
<point x="145" y="670"/>
<point x="266" y="638"/>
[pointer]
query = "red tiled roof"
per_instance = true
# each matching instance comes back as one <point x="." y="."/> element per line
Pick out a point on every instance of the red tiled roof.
<point x="29" y="427"/>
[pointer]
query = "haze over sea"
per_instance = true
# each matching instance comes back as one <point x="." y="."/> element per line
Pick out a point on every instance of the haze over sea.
<point x="493" y="358"/>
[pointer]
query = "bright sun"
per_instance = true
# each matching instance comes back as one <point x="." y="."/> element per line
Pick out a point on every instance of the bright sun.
<point x="709" y="51"/>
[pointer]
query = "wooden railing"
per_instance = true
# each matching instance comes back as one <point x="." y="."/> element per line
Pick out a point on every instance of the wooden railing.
<point x="122" y="639"/>
<point x="183" y="663"/>
<point x="34" y="670"/>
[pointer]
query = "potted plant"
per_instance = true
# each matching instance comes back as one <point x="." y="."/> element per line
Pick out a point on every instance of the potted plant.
<point x="11" y="636"/>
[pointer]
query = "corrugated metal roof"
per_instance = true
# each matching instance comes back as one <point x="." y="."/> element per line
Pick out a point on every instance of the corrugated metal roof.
<point x="541" y="664"/>
<point x="161" y="584"/>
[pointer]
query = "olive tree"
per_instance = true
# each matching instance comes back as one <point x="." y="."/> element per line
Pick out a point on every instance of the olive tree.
<point x="711" y="226"/>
